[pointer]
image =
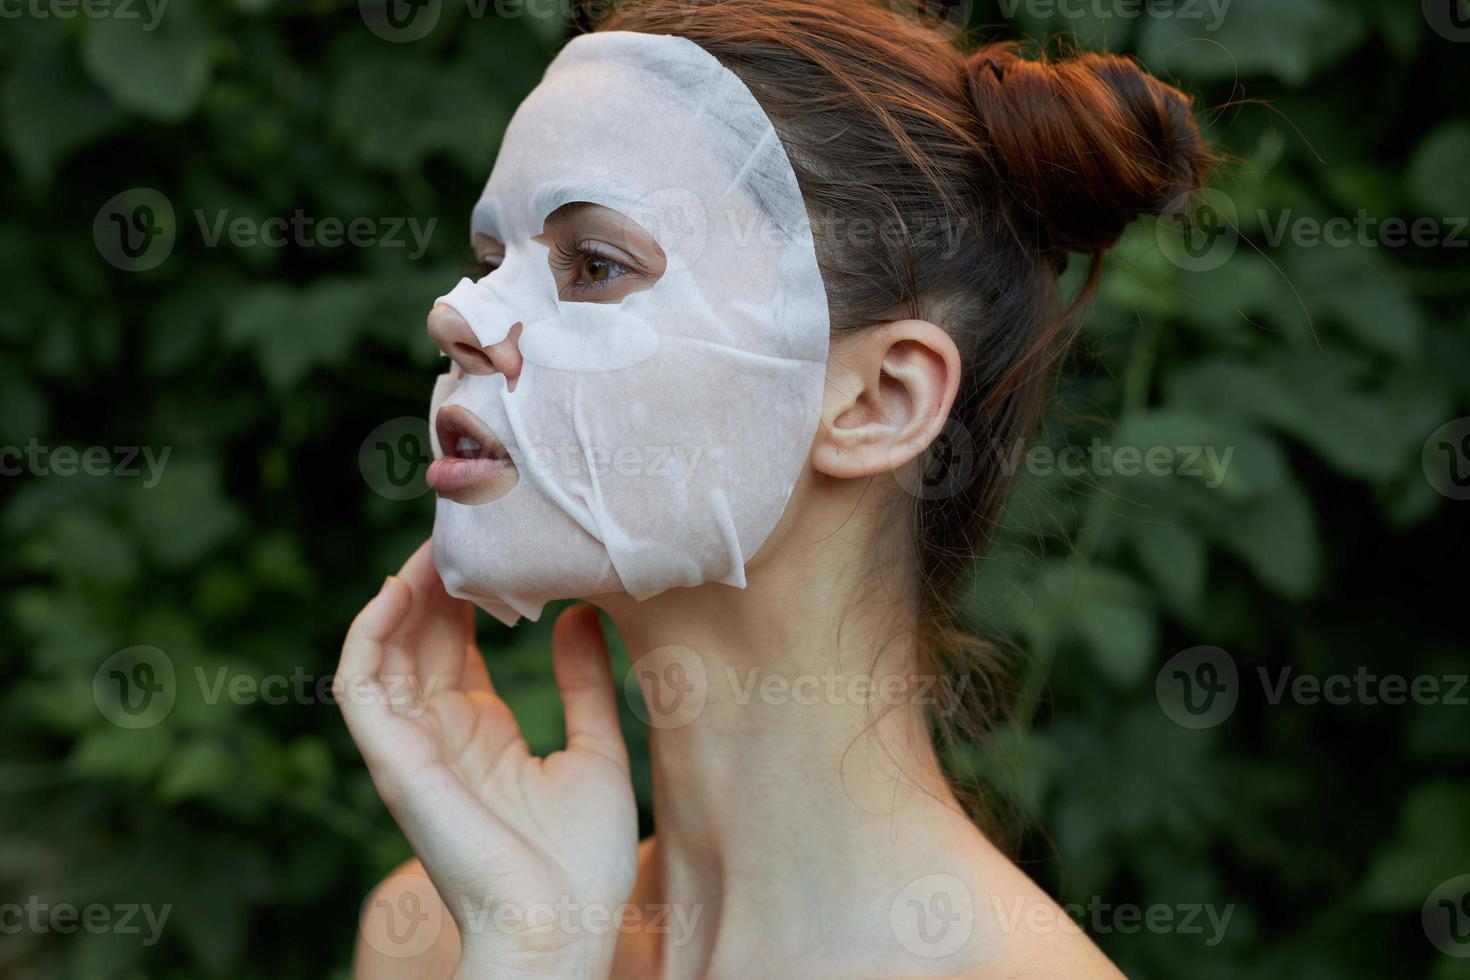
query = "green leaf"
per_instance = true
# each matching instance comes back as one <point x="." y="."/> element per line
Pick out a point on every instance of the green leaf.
<point x="23" y="411"/>
<point x="48" y="109"/>
<point x="1289" y="40"/>
<point x="159" y="68"/>
<point x="293" y="331"/>
<point x="1433" y="844"/>
<point x="1276" y="536"/>
<point x="112" y="752"/>
<point x="1439" y="173"/>
<point x="1174" y="558"/>
<point x="1359" y="287"/>
<point x="88" y="547"/>
<point x="1323" y="398"/>
<point x="1203" y="450"/>
<point x="390" y="109"/>
<point x="201" y="768"/>
<point x="1109" y="613"/>
<point x="186" y="515"/>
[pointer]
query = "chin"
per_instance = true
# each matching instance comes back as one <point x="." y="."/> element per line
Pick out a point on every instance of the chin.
<point x="507" y="569"/>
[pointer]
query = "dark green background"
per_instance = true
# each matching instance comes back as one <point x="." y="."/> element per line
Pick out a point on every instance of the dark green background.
<point x="264" y="370"/>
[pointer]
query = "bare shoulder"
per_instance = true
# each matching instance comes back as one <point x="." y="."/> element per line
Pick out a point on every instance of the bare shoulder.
<point x="405" y="931"/>
<point x="983" y="918"/>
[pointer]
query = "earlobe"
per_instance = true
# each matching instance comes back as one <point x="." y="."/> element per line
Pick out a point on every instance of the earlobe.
<point x="889" y="390"/>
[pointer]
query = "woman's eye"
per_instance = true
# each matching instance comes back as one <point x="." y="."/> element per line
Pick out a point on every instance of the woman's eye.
<point x="581" y="268"/>
<point x="486" y="264"/>
<point x="597" y="269"/>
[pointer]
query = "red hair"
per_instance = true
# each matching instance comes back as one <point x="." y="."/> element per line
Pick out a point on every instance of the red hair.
<point x="982" y="172"/>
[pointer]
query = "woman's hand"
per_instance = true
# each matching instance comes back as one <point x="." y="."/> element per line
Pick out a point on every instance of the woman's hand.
<point x="532" y="856"/>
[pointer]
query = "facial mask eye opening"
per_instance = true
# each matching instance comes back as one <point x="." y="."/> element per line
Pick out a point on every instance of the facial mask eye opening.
<point x="599" y="255"/>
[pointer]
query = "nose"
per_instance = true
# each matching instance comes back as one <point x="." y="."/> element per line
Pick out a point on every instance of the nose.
<point x="455" y="338"/>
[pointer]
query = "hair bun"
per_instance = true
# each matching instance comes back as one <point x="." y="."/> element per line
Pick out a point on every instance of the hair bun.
<point x="1086" y="143"/>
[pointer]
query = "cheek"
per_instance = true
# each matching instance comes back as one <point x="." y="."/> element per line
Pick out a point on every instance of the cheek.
<point x="444" y="386"/>
<point x="589" y="338"/>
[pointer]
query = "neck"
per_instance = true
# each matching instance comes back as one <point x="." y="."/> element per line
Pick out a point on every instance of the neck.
<point x="789" y="743"/>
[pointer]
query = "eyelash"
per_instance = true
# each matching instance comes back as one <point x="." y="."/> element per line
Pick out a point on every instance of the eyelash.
<point x="567" y="258"/>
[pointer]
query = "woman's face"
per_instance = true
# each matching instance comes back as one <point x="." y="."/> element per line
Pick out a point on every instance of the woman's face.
<point x="595" y="255"/>
<point x="636" y="378"/>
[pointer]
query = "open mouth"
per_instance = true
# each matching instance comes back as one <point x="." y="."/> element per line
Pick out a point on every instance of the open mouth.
<point x="475" y="467"/>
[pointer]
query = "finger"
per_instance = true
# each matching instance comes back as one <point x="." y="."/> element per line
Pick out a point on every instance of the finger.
<point x="358" y="688"/>
<point x="363" y="648"/>
<point x="432" y="637"/>
<point x="584" y="677"/>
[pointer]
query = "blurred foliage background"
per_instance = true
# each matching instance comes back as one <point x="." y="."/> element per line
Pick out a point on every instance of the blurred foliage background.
<point x="270" y="375"/>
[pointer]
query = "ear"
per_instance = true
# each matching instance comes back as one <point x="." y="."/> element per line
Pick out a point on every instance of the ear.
<point x="889" y="391"/>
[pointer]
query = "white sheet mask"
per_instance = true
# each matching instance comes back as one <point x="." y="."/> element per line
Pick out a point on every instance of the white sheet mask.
<point x="657" y="439"/>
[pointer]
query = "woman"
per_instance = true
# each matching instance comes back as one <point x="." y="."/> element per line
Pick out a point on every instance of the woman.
<point x="857" y="274"/>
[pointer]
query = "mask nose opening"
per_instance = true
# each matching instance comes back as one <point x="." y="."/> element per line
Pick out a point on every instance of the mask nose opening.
<point x="451" y="333"/>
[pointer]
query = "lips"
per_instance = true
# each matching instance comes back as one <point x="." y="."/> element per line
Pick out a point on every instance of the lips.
<point x="475" y="467"/>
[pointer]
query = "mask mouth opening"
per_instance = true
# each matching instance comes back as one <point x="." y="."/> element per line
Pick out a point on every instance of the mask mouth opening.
<point x="475" y="467"/>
